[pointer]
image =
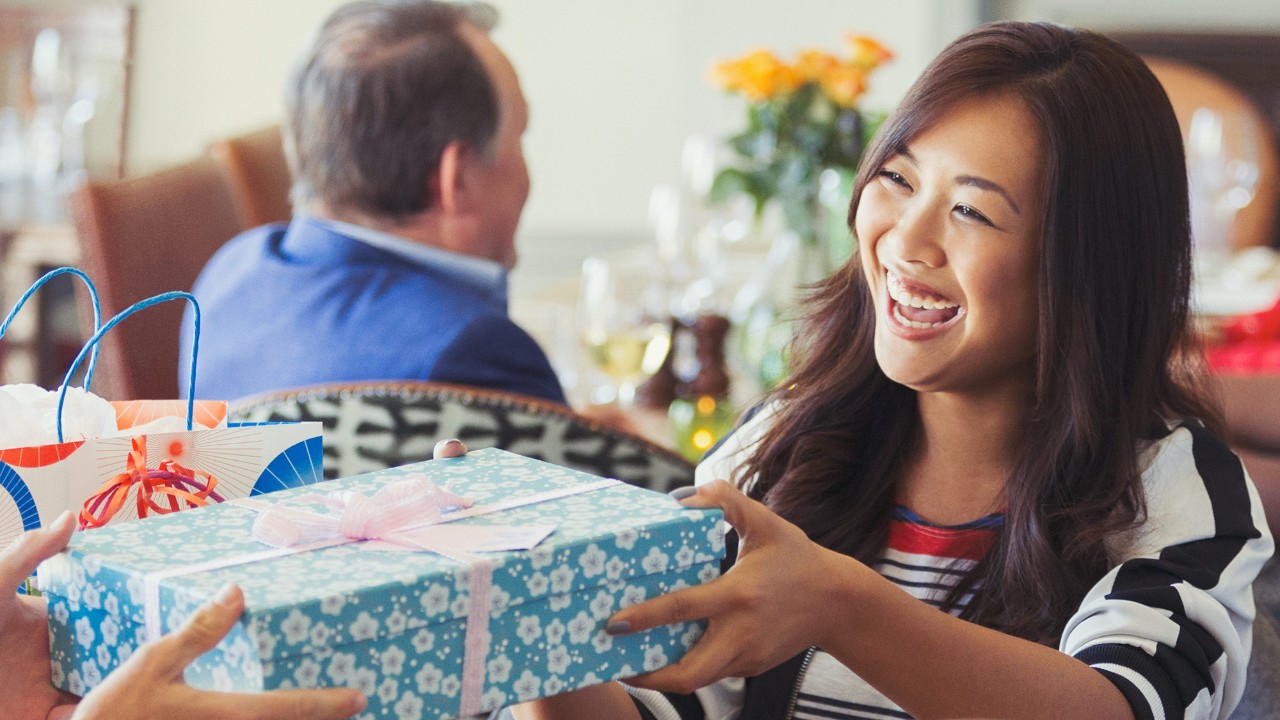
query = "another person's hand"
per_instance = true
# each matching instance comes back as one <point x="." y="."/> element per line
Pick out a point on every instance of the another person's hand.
<point x="25" y="691"/>
<point x="149" y="685"/>
<point x="766" y="609"/>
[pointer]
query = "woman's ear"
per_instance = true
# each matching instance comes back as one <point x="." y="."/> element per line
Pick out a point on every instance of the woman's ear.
<point x="453" y="178"/>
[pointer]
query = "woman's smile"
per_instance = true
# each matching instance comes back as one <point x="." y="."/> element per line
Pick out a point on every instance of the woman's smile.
<point x="914" y="308"/>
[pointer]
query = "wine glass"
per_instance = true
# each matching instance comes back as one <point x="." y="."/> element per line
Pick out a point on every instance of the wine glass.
<point x="622" y="320"/>
<point x="1222" y="175"/>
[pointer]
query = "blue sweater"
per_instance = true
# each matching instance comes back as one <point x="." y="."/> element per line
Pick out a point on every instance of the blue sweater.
<point x="284" y="306"/>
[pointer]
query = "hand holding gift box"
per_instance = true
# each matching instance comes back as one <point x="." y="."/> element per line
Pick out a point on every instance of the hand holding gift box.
<point x="397" y="625"/>
<point x="149" y="685"/>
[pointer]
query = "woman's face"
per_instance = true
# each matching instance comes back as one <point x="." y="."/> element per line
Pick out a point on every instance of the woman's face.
<point x="949" y="234"/>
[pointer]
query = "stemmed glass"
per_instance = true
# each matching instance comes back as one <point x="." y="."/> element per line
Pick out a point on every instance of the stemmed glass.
<point x="622" y="321"/>
<point x="1222" y="173"/>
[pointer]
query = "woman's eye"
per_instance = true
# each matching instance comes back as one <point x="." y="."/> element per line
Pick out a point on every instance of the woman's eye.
<point x="894" y="178"/>
<point x="970" y="213"/>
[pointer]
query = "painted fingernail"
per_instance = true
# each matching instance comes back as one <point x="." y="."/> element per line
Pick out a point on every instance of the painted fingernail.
<point x="681" y="493"/>
<point x="225" y="595"/>
<point x="618" y="627"/>
<point x="451" y="447"/>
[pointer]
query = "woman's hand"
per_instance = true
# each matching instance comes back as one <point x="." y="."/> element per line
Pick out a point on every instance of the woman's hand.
<point x="150" y="685"/>
<point x="769" y="607"/>
<point x="25" y="691"/>
<point x="450" y="448"/>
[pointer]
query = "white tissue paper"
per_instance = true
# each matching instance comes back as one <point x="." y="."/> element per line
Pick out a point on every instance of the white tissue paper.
<point x="29" y="417"/>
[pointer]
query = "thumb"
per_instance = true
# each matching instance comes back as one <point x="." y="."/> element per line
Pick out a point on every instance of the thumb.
<point x="740" y="511"/>
<point x="31" y="548"/>
<point x="200" y="633"/>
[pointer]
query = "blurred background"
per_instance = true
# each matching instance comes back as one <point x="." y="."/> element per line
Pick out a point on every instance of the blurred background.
<point x="627" y="130"/>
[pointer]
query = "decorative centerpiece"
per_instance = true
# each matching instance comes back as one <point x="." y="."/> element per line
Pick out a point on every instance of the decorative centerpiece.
<point x="802" y="119"/>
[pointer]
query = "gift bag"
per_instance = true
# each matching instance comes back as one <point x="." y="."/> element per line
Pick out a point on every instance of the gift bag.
<point x="166" y="455"/>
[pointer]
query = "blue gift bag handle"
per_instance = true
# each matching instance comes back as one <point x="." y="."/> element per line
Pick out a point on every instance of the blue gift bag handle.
<point x="97" y="312"/>
<point x="92" y="344"/>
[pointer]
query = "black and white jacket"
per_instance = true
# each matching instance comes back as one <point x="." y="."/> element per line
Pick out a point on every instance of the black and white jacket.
<point x="1170" y="625"/>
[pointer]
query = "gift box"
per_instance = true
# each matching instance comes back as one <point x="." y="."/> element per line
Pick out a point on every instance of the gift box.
<point x="424" y="634"/>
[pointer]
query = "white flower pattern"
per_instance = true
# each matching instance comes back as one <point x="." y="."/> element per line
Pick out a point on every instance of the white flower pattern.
<point x="402" y="646"/>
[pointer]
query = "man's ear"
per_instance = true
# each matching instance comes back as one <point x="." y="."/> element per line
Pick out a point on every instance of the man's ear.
<point x="453" y="180"/>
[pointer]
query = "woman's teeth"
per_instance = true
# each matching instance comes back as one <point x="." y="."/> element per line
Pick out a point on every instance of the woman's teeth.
<point x="920" y="312"/>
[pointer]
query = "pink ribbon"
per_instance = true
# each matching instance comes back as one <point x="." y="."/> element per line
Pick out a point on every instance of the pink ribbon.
<point x="394" y="509"/>
<point x="388" y="515"/>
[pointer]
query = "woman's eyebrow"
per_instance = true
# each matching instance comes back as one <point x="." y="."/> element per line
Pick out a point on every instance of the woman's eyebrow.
<point x="985" y="184"/>
<point x="970" y="180"/>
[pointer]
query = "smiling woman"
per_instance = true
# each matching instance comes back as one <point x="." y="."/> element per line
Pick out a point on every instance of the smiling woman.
<point x="992" y="415"/>
<point x="949" y="256"/>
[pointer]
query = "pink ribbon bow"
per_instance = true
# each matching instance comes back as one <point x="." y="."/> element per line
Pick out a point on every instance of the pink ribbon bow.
<point x="397" y="507"/>
<point x="387" y="515"/>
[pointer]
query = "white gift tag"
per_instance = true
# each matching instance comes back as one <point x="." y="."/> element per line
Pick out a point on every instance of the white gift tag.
<point x="464" y="538"/>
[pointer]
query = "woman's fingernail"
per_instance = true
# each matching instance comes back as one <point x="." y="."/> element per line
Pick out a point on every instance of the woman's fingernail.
<point x="225" y="595"/>
<point x="449" y="448"/>
<point x="618" y="627"/>
<point x="358" y="703"/>
<point x="681" y="493"/>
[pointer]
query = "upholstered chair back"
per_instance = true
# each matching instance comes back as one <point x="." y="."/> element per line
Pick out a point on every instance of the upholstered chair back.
<point x="375" y="425"/>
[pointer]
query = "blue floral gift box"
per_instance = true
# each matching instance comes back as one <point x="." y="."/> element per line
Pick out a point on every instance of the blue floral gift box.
<point x="404" y="627"/>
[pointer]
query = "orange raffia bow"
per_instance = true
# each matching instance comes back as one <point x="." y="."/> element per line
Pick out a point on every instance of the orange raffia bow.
<point x="180" y="484"/>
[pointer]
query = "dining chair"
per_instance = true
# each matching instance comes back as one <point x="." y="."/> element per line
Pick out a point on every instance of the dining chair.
<point x="1190" y="88"/>
<point x="258" y="173"/>
<point x="140" y="237"/>
<point x="375" y="425"/>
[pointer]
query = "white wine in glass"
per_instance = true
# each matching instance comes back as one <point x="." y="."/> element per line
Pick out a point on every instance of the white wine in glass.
<point x="621" y="322"/>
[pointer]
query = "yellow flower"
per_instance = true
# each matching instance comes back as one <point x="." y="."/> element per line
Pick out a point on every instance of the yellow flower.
<point x="844" y="84"/>
<point x="814" y="64"/>
<point x="759" y="76"/>
<point x="867" y="51"/>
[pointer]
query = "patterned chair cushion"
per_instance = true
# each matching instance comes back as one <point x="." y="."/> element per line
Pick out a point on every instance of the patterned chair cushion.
<point x="370" y="426"/>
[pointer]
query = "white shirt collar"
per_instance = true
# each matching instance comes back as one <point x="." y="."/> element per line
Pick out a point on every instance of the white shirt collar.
<point x="484" y="272"/>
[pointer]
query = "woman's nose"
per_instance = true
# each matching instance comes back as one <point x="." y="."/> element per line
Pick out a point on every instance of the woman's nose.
<point x="917" y="237"/>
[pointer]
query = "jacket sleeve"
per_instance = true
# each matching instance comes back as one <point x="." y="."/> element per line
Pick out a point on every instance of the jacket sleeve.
<point x="1171" y="625"/>
<point x="493" y="352"/>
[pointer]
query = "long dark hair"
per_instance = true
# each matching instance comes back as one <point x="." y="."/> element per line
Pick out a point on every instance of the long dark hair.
<point x="1111" y="361"/>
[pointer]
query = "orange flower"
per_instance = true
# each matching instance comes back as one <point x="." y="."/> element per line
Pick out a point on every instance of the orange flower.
<point x="759" y="76"/>
<point x="844" y="84"/>
<point x="867" y="51"/>
<point x="813" y="64"/>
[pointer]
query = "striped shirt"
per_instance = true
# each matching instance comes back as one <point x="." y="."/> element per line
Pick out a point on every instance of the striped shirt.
<point x="1170" y="625"/>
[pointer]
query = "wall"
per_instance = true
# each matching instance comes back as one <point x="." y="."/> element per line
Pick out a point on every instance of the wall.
<point x="615" y="87"/>
<point x="1251" y="16"/>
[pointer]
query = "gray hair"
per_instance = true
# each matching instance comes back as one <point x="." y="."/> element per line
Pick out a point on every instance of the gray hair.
<point x="380" y="92"/>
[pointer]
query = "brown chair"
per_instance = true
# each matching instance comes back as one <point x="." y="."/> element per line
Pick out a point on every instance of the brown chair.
<point x="258" y="174"/>
<point x="141" y="237"/>
<point x="1190" y="88"/>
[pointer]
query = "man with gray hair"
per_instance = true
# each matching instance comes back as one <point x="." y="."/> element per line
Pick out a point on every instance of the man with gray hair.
<point x="403" y="132"/>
